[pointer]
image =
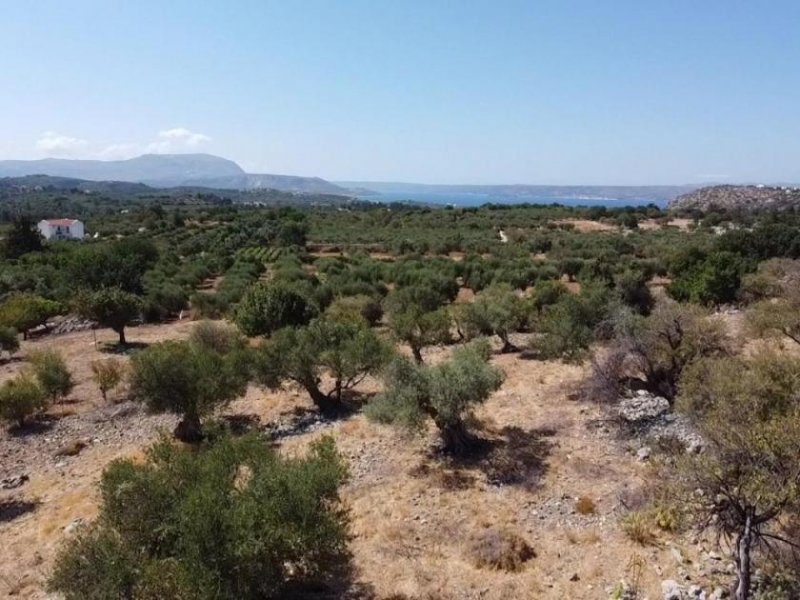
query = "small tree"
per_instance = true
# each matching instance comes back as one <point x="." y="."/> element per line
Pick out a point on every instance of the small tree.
<point x="188" y="380"/>
<point x="748" y="477"/>
<point x="233" y="519"/>
<point x="444" y="393"/>
<point x="21" y="398"/>
<point x="343" y="352"/>
<point x="417" y="318"/>
<point x="654" y="351"/>
<point x="52" y="372"/>
<point x="217" y="337"/>
<point x="268" y="307"/>
<point x="9" y="341"/>
<point x="421" y="329"/>
<point x="107" y="374"/>
<point x="23" y="237"/>
<point x="23" y="312"/>
<point x="497" y="310"/>
<point x="110" y="307"/>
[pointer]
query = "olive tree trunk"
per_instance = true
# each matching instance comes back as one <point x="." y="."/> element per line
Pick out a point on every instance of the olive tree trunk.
<point x="189" y="429"/>
<point x="744" y="543"/>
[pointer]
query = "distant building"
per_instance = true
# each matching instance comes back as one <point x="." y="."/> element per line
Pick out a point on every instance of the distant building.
<point x="61" y="229"/>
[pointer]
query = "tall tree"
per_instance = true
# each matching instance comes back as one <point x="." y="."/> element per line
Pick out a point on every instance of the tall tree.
<point x="23" y="237"/>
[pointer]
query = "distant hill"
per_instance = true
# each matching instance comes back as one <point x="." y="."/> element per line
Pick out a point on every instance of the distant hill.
<point x="750" y="198"/>
<point x="169" y="170"/>
<point x="285" y="183"/>
<point x="658" y="194"/>
<point x="44" y="196"/>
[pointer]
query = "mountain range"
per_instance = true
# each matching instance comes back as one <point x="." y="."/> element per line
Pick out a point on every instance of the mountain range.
<point x="170" y="170"/>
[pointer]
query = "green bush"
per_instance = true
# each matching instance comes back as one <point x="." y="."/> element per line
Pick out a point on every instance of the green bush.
<point x="268" y="307"/>
<point x="445" y="393"/>
<point x="497" y="310"/>
<point x="26" y="311"/>
<point x="218" y="337"/>
<point x="111" y="307"/>
<point x="9" y="340"/>
<point x="564" y="331"/>
<point x="52" y="373"/>
<point x="345" y="352"/>
<point x="232" y="520"/>
<point x="188" y="380"/>
<point x="21" y="398"/>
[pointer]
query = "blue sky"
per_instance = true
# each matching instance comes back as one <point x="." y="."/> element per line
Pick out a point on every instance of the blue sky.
<point x="561" y="92"/>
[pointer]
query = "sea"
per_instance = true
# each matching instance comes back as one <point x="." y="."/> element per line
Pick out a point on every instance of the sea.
<point x="465" y="200"/>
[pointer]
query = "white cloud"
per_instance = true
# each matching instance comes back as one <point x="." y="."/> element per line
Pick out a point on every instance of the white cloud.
<point x="55" y="144"/>
<point x="176" y="139"/>
<point x="167" y="141"/>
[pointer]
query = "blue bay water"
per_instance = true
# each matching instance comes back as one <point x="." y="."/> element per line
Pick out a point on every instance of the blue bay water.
<point x="480" y="199"/>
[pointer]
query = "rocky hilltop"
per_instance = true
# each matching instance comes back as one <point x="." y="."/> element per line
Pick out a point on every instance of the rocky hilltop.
<point x="749" y="198"/>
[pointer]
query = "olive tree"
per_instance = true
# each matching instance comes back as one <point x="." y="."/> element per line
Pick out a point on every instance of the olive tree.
<point x="417" y="318"/>
<point x="746" y="483"/>
<point x="110" y="307"/>
<point x="52" y="372"/>
<point x="21" y="398"/>
<point x="187" y="379"/>
<point x="268" y="307"/>
<point x="228" y="520"/>
<point x="343" y="353"/>
<point x="496" y="310"/>
<point x="25" y="311"/>
<point x="444" y="393"/>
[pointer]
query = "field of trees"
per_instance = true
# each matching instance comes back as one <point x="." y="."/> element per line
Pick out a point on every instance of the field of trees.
<point x="350" y="400"/>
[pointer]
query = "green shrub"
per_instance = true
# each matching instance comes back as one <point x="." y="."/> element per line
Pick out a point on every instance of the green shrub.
<point x="9" y="340"/>
<point x="188" y="380"/>
<point x="268" y="307"/>
<point x="23" y="312"/>
<point x="497" y="310"/>
<point x="445" y="393"/>
<point x="218" y="337"/>
<point x="345" y="352"/>
<point x="355" y="309"/>
<point x="232" y="520"/>
<point x="111" y="307"/>
<point x="21" y="398"/>
<point x="52" y="373"/>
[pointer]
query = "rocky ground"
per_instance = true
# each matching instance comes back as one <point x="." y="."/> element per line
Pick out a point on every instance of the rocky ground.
<point x="415" y="515"/>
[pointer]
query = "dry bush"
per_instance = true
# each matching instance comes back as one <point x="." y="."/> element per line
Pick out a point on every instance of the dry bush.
<point x="585" y="506"/>
<point x="638" y="527"/>
<point x="500" y="549"/>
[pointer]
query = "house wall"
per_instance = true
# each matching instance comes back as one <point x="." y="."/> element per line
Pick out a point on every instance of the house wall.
<point x="49" y="232"/>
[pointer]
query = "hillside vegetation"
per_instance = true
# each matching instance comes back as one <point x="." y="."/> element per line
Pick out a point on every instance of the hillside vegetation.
<point x="215" y="398"/>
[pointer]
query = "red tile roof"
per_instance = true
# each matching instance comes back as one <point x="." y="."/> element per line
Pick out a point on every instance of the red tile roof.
<point x="61" y="222"/>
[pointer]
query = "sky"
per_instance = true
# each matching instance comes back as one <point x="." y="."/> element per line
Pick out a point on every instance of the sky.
<point x="432" y="91"/>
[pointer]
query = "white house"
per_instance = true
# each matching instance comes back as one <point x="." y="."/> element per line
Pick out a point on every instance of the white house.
<point x="61" y="229"/>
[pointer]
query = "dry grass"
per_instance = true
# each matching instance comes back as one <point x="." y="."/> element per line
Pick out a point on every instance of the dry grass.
<point x="415" y="518"/>
<point x="638" y="526"/>
<point x="500" y="550"/>
<point x="585" y="506"/>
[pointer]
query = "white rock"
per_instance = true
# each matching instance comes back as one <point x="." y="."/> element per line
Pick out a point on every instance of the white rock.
<point x="670" y="590"/>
